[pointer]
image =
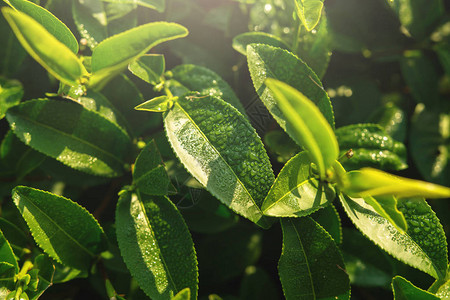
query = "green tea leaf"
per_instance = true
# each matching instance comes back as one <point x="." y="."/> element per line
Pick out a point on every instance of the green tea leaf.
<point x="158" y="104"/>
<point x="386" y="206"/>
<point x="295" y="193"/>
<point x="16" y="236"/>
<point x="310" y="265"/>
<point x="158" y="5"/>
<point x="206" y="82"/>
<point x="328" y="218"/>
<point x="149" y="68"/>
<point x="371" y="147"/>
<point x="444" y="290"/>
<point x="373" y="182"/>
<point x="112" y="55"/>
<point x="393" y="119"/>
<point x="184" y="294"/>
<point x="270" y="62"/>
<point x="309" y="12"/>
<point x="45" y="269"/>
<point x="71" y="134"/>
<point x="66" y="231"/>
<point x="42" y="46"/>
<point x="152" y="238"/>
<point x="281" y="145"/>
<point x="306" y="125"/>
<point x="218" y="146"/>
<point x="12" y="54"/>
<point x="241" y="41"/>
<point x="257" y="284"/>
<point x="51" y="23"/>
<point x="405" y="290"/>
<point x="90" y="19"/>
<point x="11" y="92"/>
<point x="423" y="246"/>
<point x="7" y="254"/>
<point x="149" y="174"/>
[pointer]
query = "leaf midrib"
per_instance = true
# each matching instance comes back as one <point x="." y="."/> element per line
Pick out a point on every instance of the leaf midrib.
<point x="286" y="194"/>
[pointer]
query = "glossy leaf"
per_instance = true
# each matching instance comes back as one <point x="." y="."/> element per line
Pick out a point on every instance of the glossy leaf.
<point x="12" y="54"/>
<point x="328" y="218"/>
<point x="423" y="246"/>
<point x="241" y="41"/>
<point x="90" y="19"/>
<point x="393" y="120"/>
<point x="218" y="146"/>
<point x="73" y="135"/>
<point x="11" y="92"/>
<point x="405" y="290"/>
<point x="159" y="5"/>
<point x="444" y="290"/>
<point x="7" y="254"/>
<point x="295" y="193"/>
<point x="152" y="238"/>
<point x="386" y="206"/>
<point x="149" y="68"/>
<point x="309" y="12"/>
<point x="371" y="147"/>
<point x="373" y="182"/>
<point x="158" y="104"/>
<point x="270" y="62"/>
<point x="149" y="174"/>
<point x="112" y="55"/>
<point x="184" y="294"/>
<point x="311" y="266"/>
<point x="306" y="125"/>
<point x="66" y="231"/>
<point x="206" y="82"/>
<point x="42" y="46"/>
<point x="51" y="23"/>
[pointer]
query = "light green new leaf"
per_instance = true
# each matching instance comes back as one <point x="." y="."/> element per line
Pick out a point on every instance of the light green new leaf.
<point x="241" y="41"/>
<point x="7" y="254"/>
<point x="112" y="55"/>
<point x="311" y="266"/>
<point x="42" y="46"/>
<point x="53" y="25"/>
<point x="423" y="246"/>
<point x="220" y="148"/>
<point x="66" y="231"/>
<point x="183" y="295"/>
<point x="149" y="68"/>
<point x="73" y="135"/>
<point x="444" y="291"/>
<point x="149" y="174"/>
<point x="271" y="62"/>
<point x="386" y="206"/>
<point x="295" y="193"/>
<point x="206" y="82"/>
<point x="306" y="125"/>
<point x="373" y="182"/>
<point x="405" y="290"/>
<point x="156" y="245"/>
<point x="158" y="5"/>
<point x="11" y="92"/>
<point x="309" y="12"/>
<point x="157" y="104"/>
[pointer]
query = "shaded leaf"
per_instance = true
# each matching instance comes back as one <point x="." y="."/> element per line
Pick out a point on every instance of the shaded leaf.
<point x="42" y="46"/>
<point x="328" y="218"/>
<point x="66" y="231"/>
<point x="393" y="120"/>
<point x="152" y="237"/>
<point x="309" y="12"/>
<point x="257" y="284"/>
<point x="241" y="41"/>
<point x="149" y="68"/>
<point x="73" y="135"/>
<point x="310" y="265"/>
<point x="218" y="146"/>
<point x="306" y="125"/>
<point x="405" y="290"/>
<point x="12" y="54"/>
<point x="45" y="270"/>
<point x="295" y="192"/>
<point x="423" y="246"/>
<point x="90" y="19"/>
<point x="7" y="254"/>
<point x="184" y="294"/>
<point x="280" y="144"/>
<point x="11" y="92"/>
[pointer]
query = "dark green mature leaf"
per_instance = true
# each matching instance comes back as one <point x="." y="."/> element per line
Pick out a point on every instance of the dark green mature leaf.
<point x="149" y="174"/>
<point x="218" y="146"/>
<point x="7" y="254"/>
<point x="15" y="235"/>
<point x="12" y="54"/>
<point x="149" y="68"/>
<point x="430" y="145"/>
<point x="156" y="245"/>
<point x="371" y="147"/>
<point x="241" y="41"/>
<point x="270" y="62"/>
<point x="306" y="125"/>
<point x="11" y="92"/>
<point x="295" y="193"/>
<point x="423" y="246"/>
<point x="405" y="290"/>
<point x="112" y="55"/>
<point x="44" y="269"/>
<point x="66" y="231"/>
<point x="159" y="5"/>
<point x="257" y="284"/>
<point x="42" y="46"/>
<point x="281" y="145"/>
<point x="393" y="120"/>
<point x="310" y="265"/>
<point x="206" y="82"/>
<point x="90" y="19"/>
<point x="309" y="12"/>
<point x="328" y="218"/>
<point x="73" y="135"/>
<point x="51" y="23"/>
